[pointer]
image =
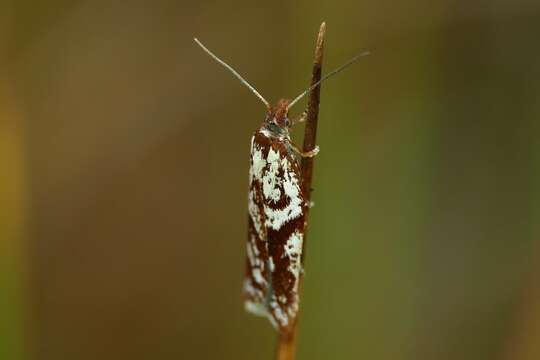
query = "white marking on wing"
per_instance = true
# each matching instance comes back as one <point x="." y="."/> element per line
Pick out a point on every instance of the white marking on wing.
<point x="293" y="250"/>
<point x="256" y="216"/>
<point x="253" y="254"/>
<point x="281" y="317"/>
<point x="259" y="162"/>
<point x="275" y="218"/>
<point x="271" y="264"/>
<point x="270" y="180"/>
<point x="250" y="256"/>
<point x="251" y="290"/>
<point x="256" y="308"/>
<point x="257" y="276"/>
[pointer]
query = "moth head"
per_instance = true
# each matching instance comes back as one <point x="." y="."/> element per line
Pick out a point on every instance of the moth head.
<point x="278" y="115"/>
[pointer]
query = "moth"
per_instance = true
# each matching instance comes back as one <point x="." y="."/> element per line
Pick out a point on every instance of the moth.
<point x="276" y="210"/>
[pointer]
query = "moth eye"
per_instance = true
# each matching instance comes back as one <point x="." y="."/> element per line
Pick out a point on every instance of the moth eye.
<point x="287" y="122"/>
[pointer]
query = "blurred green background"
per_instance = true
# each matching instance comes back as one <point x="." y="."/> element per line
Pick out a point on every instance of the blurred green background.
<point x="124" y="159"/>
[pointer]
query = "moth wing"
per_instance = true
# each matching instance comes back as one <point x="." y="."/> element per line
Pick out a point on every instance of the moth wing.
<point x="284" y="209"/>
<point x="257" y="277"/>
<point x="276" y="207"/>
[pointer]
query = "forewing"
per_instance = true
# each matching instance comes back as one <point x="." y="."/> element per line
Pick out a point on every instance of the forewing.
<point x="275" y="231"/>
<point x="256" y="283"/>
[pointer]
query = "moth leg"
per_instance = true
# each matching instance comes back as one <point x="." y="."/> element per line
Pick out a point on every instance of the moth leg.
<point x="300" y="118"/>
<point x="310" y="153"/>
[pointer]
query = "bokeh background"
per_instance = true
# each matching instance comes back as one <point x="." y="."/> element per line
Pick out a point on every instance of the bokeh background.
<point x="124" y="155"/>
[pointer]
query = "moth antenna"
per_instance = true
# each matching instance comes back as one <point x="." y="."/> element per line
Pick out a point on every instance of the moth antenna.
<point x="242" y="80"/>
<point x="334" y="72"/>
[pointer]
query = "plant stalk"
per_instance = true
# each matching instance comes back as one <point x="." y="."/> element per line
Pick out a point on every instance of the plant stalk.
<point x="287" y="339"/>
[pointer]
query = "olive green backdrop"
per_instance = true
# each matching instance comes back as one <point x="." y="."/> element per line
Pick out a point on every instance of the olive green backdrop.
<point x="124" y="153"/>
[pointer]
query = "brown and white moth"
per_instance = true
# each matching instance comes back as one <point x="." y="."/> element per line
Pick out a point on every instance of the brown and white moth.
<point x="276" y="211"/>
<point x="276" y="208"/>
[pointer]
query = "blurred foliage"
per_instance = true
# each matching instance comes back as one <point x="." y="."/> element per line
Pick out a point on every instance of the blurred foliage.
<point x="12" y="202"/>
<point x="124" y="156"/>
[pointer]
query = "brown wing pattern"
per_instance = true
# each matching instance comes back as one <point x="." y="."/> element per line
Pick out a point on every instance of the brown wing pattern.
<point x="276" y="207"/>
